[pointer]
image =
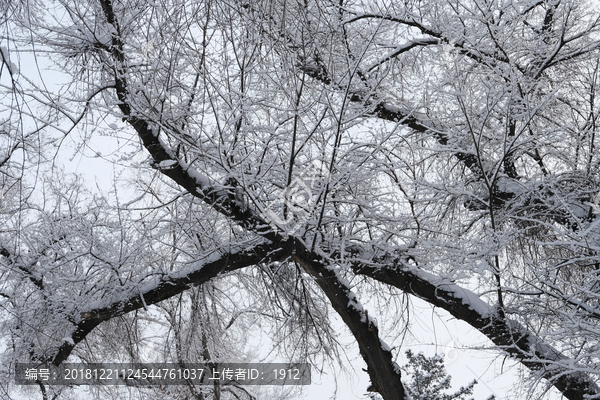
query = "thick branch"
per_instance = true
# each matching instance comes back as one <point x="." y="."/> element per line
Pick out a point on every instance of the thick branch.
<point x="403" y="49"/>
<point x="166" y="287"/>
<point x="508" y="335"/>
<point x="221" y="199"/>
<point x="384" y="373"/>
<point x="511" y="337"/>
<point x="394" y="114"/>
<point x="390" y="113"/>
<point x="531" y="204"/>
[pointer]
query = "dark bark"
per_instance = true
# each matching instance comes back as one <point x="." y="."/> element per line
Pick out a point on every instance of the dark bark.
<point x="167" y="287"/>
<point x="384" y="373"/>
<point x="509" y="336"/>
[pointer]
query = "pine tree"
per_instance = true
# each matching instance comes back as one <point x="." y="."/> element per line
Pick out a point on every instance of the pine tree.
<point x="430" y="381"/>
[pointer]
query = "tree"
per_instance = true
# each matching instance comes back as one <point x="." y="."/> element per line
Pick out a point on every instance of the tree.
<point x="429" y="379"/>
<point x="307" y="153"/>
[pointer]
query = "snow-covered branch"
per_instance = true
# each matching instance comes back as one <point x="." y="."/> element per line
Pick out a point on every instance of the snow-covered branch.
<point x="163" y="288"/>
<point x="509" y="336"/>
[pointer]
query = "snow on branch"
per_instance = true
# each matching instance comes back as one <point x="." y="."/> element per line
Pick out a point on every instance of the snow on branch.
<point x="510" y="336"/>
<point x="383" y="371"/>
<point x="165" y="287"/>
<point x="403" y="48"/>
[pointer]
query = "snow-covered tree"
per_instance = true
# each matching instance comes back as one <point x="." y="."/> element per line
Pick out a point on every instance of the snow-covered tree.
<point x="284" y="159"/>
<point x="429" y="379"/>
